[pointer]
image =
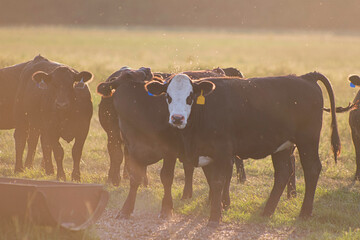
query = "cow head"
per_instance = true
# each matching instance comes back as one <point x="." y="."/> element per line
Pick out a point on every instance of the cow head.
<point x="61" y="84"/>
<point x="181" y="92"/>
<point x="355" y="79"/>
<point x="107" y="88"/>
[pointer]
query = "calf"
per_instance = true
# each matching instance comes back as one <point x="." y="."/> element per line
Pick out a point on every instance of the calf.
<point x="354" y="122"/>
<point x="54" y="101"/>
<point x="251" y="118"/>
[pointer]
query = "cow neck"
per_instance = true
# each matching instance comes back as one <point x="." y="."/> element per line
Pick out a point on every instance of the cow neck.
<point x="192" y="134"/>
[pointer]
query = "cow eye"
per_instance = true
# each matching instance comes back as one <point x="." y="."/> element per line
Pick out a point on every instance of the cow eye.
<point x="168" y="98"/>
<point x="189" y="99"/>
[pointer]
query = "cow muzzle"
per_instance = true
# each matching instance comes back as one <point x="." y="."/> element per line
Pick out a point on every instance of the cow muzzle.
<point x="177" y="120"/>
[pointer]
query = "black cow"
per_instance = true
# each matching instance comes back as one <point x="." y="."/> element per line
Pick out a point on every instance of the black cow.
<point x="354" y="122"/>
<point x="54" y="101"/>
<point x="251" y="118"/>
<point x="142" y="125"/>
<point x="109" y="122"/>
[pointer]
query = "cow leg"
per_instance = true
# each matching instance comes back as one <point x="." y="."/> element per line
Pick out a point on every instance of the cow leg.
<point x="59" y="157"/>
<point x="46" y="149"/>
<point x="226" y="190"/>
<point x="189" y="172"/>
<point x="281" y="177"/>
<point x="20" y="136"/>
<point x="217" y="182"/>
<point x="116" y="157"/>
<point x="356" y="142"/>
<point x="291" y="186"/>
<point x="126" y="164"/>
<point x="76" y="154"/>
<point x="311" y="164"/>
<point x="240" y="170"/>
<point x="32" y="143"/>
<point x="137" y="171"/>
<point x="208" y="175"/>
<point x="167" y="177"/>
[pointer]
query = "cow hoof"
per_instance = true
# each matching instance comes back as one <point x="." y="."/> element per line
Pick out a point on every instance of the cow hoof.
<point x="75" y="177"/>
<point x="61" y="177"/>
<point x="28" y="165"/>
<point x="213" y="224"/>
<point x="49" y="171"/>
<point x="122" y="215"/>
<point x="305" y="216"/>
<point x="226" y="207"/>
<point x="115" y="182"/>
<point x="267" y="214"/>
<point x="186" y="196"/>
<point x="19" y="169"/>
<point x="165" y="215"/>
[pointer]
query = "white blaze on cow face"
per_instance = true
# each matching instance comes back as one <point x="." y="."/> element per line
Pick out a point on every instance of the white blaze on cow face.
<point x="178" y="91"/>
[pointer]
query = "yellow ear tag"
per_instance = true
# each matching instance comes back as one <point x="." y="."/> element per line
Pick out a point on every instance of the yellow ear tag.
<point x="200" y="99"/>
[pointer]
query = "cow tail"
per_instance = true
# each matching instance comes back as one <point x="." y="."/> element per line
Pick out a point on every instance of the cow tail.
<point x="351" y="106"/>
<point x="335" y="139"/>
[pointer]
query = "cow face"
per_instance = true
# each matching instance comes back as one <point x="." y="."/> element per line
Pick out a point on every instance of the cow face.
<point x="61" y="84"/>
<point x="181" y="92"/>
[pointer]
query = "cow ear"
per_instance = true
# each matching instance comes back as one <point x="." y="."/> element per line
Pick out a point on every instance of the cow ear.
<point x="219" y="71"/>
<point x="41" y="76"/>
<point x="355" y="79"/>
<point x="42" y="79"/>
<point x="106" y="89"/>
<point x="148" y="74"/>
<point x="155" y="88"/>
<point x="83" y="76"/>
<point x="207" y="87"/>
<point x="233" y="72"/>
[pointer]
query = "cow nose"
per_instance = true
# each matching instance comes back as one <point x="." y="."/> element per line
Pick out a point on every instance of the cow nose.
<point x="177" y="119"/>
<point x="62" y="105"/>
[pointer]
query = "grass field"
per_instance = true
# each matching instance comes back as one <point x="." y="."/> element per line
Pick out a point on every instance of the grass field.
<point x="336" y="212"/>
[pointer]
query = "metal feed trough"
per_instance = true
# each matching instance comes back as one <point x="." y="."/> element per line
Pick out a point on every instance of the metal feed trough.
<point x="72" y="206"/>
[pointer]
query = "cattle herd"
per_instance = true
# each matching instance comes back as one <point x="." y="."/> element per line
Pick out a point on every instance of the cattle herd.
<point x="209" y="118"/>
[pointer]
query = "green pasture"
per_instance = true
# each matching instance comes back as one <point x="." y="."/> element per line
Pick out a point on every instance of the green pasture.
<point x="102" y="51"/>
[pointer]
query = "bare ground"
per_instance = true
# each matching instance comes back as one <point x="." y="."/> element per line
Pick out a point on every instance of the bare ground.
<point x="148" y="226"/>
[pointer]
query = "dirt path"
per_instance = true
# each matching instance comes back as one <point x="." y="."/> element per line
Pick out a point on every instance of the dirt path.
<point x="149" y="226"/>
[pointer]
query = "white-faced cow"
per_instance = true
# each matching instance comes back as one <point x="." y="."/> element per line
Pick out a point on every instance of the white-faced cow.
<point x="250" y="118"/>
<point x="54" y="101"/>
